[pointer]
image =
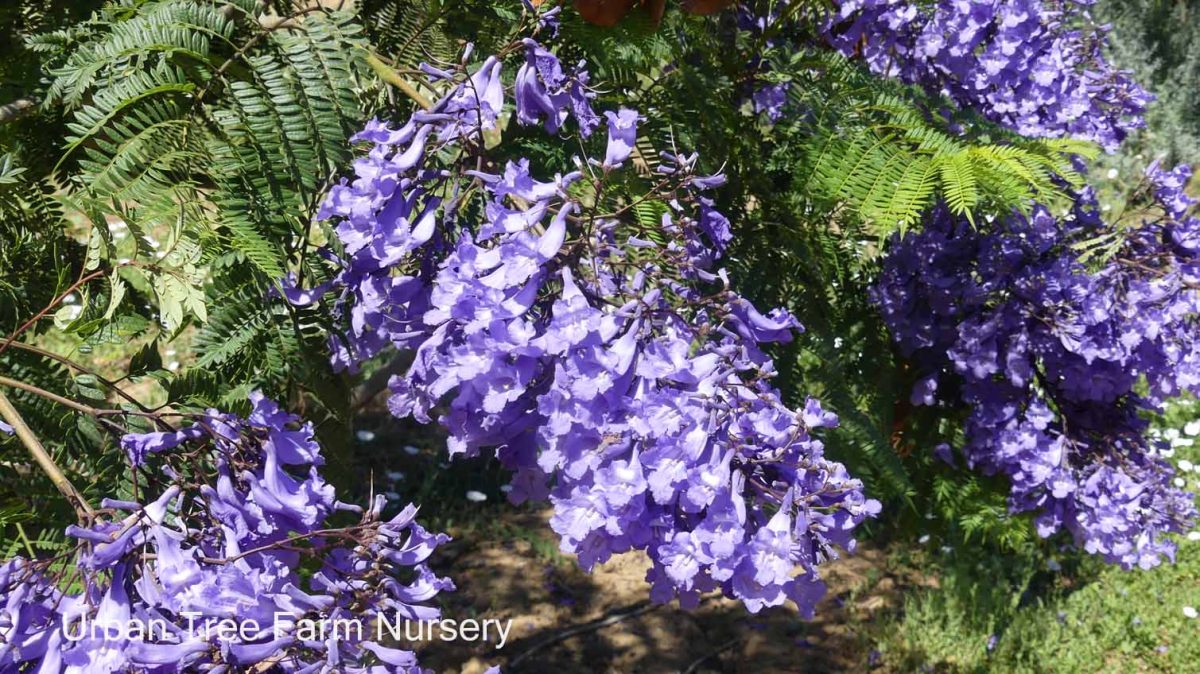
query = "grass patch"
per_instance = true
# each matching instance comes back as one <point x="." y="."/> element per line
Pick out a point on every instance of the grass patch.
<point x="1025" y="614"/>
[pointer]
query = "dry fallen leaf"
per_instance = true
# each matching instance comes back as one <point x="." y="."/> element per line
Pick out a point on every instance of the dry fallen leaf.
<point x="609" y="12"/>
<point x="705" y="6"/>
<point x="603" y="12"/>
<point x="656" y="9"/>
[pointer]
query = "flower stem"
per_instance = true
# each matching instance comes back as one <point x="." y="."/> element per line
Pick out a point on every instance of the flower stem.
<point x="393" y="78"/>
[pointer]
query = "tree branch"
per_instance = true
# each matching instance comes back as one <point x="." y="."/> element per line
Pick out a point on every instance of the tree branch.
<point x="100" y="414"/>
<point x="44" y="460"/>
<point x="50" y="395"/>
<point x="21" y="346"/>
<point x="393" y="78"/>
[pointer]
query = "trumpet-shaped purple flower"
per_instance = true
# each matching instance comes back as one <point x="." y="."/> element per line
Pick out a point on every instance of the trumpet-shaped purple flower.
<point x="202" y="553"/>
<point x="622" y="134"/>
<point x="1051" y="356"/>
<point x="138" y="446"/>
<point x="544" y="93"/>
<point x="1034" y="66"/>
<point x="612" y="370"/>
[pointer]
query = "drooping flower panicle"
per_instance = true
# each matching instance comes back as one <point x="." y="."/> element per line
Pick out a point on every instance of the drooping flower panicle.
<point x="605" y="361"/>
<point x="1035" y="66"/>
<point x="226" y="550"/>
<point x="1049" y="355"/>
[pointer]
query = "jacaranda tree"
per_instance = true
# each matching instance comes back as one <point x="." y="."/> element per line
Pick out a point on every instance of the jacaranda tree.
<point x="718" y="281"/>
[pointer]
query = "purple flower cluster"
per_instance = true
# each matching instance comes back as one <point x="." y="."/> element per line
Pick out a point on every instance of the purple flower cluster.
<point x="1049" y="355"/>
<point x="766" y="98"/>
<point x="1032" y="65"/>
<point x="546" y="91"/>
<point x="602" y="359"/>
<point x="229" y="549"/>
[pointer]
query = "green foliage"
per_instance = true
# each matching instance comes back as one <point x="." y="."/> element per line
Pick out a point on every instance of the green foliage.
<point x="198" y="140"/>
<point x="27" y="494"/>
<point x="24" y="127"/>
<point x="38" y="259"/>
<point x="1065" y="615"/>
<point x="409" y="31"/>
<point x="199" y="136"/>
<point x="875" y="150"/>
<point x="212" y="131"/>
<point x="1156" y="39"/>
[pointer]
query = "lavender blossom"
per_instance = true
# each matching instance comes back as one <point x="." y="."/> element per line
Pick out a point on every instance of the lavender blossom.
<point x="1051" y="355"/>
<point x="618" y="377"/>
<point x="225" y="549"/>
<point x="1035" y="66"/>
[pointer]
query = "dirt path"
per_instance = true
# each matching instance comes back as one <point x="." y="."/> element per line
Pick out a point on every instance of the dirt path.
<point x="567" y="621"/>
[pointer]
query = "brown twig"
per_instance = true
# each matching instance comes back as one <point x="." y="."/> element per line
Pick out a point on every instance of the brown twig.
<point x="97" y="412"/>
<point x="51" y="396"/>
<point x="43" y="459"/>
<point x="695" y="666"/>
<point x="612" y="618"/>
<point x="75" y="365"/>
<point x="53" y="303"/>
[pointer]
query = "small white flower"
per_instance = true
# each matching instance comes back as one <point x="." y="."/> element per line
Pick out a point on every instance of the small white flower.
<point x="1190" y="612"/>
<point x="1182" y="442"/>
<point x="411" y="451"/>
<point x="365" y="435"/>
<point x="1171" y="433"/>
<point x="1186" y="466"/>
<point x="1192" y="427"/>
<point x="1113" y="173"/>
<point x="476" y="496"/>
<point x="1180" y="482"/>
<point x="1194" y="535"/>
<point x="923" y="539"/>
